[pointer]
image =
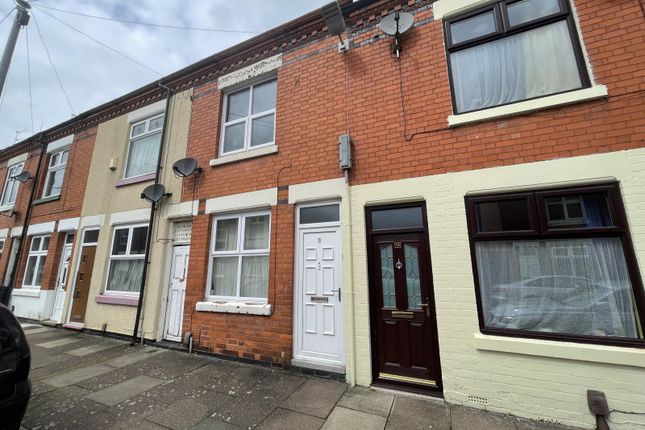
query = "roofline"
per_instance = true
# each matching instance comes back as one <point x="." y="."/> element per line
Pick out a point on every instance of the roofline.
<point x="311" y="18"/>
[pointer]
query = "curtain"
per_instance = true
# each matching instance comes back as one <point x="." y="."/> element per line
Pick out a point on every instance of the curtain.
<point x="578" y="286"/>
<point x="255" y="277"/>
<point x="224" y="276"/>
<point x="125" y="275"/>
<point x="143" y="155"/>
<point x="530" y="64"/>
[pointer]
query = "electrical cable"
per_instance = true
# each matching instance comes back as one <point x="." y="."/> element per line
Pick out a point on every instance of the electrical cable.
<point x="7" y="15"/>
<point x="100" y="43"/>
<point x="150" y="24"/>
<point x="31" y="100"/>
<point x="51" y="62"/>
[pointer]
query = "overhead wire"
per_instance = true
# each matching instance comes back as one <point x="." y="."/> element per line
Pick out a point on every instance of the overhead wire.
<point x="7" y="15"/>
<point x="150" y="24"/>
<point x="31" y="100"/>
<point x="51" y="62"/>
<point x="40" y="10"/>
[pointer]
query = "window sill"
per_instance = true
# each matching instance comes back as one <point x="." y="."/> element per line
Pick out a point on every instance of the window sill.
<point x="117" y="300"/>
<point x="6" y="208"/>
<point x="46" y="200"/>
<point x="253" y="153"/>
<point x="26" y="292"/>
<point x="565" y="350"/>
<point x="135" y="180"/>
<point x="235" y="308"/>
<point x="586" y="94"/>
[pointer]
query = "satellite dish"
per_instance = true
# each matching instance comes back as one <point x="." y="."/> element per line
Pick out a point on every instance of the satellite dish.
<point x="185" y="167"/>
<point x="23" y="177"/>
<point x="155" y="192"/>
<point x="395" y="24"/>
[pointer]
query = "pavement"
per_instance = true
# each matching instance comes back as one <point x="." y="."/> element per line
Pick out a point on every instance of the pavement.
<point x="82" y="381"/>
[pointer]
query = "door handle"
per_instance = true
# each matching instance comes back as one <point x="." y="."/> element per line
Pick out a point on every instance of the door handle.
<point x="426" y="307"/>
<point x="339" y="292"/>
<point x="77" y="295"/>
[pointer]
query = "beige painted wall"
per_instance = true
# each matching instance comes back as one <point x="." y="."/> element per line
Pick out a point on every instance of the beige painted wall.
<point x="103" y="198"/>
<point x="530" y="378"/>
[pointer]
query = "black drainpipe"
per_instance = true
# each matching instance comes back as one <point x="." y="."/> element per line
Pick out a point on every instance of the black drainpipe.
<point x="153" y="208"/>
<point x="25" y="223"/>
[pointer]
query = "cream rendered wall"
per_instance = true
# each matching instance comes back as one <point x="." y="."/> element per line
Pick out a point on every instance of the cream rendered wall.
<point x="530" y="378"/>
<point x="103" y="198"/>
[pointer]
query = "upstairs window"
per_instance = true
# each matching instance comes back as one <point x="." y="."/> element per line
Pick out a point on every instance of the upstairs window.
<point x="55" y="173"/>
<point x="36" y="262"/>
<point x="11" y="185"/>
<point x="513" y="51"/>
<point x="558" y="265"/>
<point x="249" y="118"/>
<point x="143" y="151"/>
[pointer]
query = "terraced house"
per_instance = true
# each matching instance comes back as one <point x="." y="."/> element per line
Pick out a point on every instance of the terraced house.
<point x="482" y="238"/>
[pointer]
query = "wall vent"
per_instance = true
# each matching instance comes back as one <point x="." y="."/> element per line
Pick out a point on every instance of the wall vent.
<point x="182" y="233"/>
<point x="546" y="420"/>
<point x="478" y="400"/>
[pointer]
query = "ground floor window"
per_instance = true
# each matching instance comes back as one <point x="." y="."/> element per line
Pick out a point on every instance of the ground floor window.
<point x="556" y="263"/>
<point x="36" y="262"/>
<point x="127" y="258"/>
<point x="239" y="263"/>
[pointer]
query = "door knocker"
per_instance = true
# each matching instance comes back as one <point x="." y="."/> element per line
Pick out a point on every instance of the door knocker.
<point x="398" y="264"/>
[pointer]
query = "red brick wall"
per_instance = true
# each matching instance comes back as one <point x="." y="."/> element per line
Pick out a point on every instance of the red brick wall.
<point x="322" y="94"/>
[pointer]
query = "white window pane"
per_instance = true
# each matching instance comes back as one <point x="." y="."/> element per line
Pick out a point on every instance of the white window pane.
<point x="138" y="129"/>
<point x="529" y="10"/>
<point x="264" y="97"/>
<point x="156" y="123"/>
<point x="255" y="277"/>
<point x="234" y="137"/>
<point x="54" y="159"/>
<point x="45" y="244"/>
<point x="472" y="28"/>
<point x="54" y="183"/>
<point x="143" y="155"/>
<point x="535" y="63"/>
<point x="262" y="130"/>
<point x="224" y="276"/>
<point x="138" y="245"/>
<point x="578" y="286"/>
<point x="256" y="232"/>
<point x="226" y="235"/>
<point x="125" y="275"/>
<point x="388" y="277"/>
<point x="412" y="276"/>
<point x="35" y="244"/>
<point x="238" y="105"/>
<point x="40" y="266"/>
<point x="120" y="245"/>
<point x="64" y="157"/>
<point x="31" y="268"/>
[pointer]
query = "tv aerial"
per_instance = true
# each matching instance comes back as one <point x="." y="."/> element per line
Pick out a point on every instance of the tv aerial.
<point x="396" y="24"/>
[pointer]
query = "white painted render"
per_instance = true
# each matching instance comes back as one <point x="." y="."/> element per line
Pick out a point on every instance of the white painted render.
<point x="147" y="111"/>
<point x="130" y="217"/>
<point x="243" y="201"/>
<point x="246" y="155"/>
<point x="16" y="231"/>
<point x="43" y="228"/>
<point x="524" y="377"/>
<point x="242" y="75"/>
<point x="320" y="190"/>
<point x="17" y="159"/>
<point x="4" y="233"/>
<point x="60" y="144"/>
<point x="68" y="224"/>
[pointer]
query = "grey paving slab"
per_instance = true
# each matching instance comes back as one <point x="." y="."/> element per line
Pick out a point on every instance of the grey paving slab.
<point x="122" y="391"/>
<point x="281" y="383"/>
<point x="367" y="400"/>
<point x="137" y="408"/>
<point x="181" y="415"/>
<point x="343" y="419"/>
<point x="138" y="425"/>
<point x="28" y="325"/>
<point x="524" y="424"/>
<point x="77" y="375"/>
<point x="187" y="389"/>
<point x="64" y="410"/>
<point x="284" y="419"/>
<point x="91" y="349"/>
<point x="137" y="355"/>
<point x="468" y="419"/>
<point x="213" y="424"/>
<point x="419" y="414"/>
<point x="237" y="379"/>
<point x="58" y="342"/>
<point x="316" y="397"/>
<point x="33" y="331"/>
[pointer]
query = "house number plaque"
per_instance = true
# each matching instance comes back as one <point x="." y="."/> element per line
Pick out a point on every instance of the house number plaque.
<point x="316" y="299"/>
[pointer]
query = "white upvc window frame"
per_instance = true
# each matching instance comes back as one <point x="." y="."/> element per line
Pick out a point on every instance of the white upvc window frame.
<point x="10" y="181"/>
<point x="56" y="164"/>
<point x="247" y="120"/>
<point x="132" y="139"/>
<point x="238" y="252"/>
<point x="2" y="242"/>
<point x="40" y="254"/>
<point x="126" y="256"/>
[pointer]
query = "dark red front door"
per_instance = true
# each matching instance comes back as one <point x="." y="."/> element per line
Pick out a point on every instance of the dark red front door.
<point x="404" y="332"/>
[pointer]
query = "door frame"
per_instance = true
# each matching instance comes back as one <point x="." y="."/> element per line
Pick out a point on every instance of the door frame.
<point x="168" y="281"/>
<point x="373" y="303"/>
<point x="79" y="252"/>
<point x="335" y="366"/>
<point x="61" y="263"/>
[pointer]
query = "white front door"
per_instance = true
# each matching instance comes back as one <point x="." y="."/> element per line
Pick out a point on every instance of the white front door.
<point x="176" y="293"/>
<point x="319" y="321"/>
<point x="59" y="300"/>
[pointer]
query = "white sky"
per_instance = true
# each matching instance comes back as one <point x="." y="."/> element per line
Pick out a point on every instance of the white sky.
<point x="92" y="74"/>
